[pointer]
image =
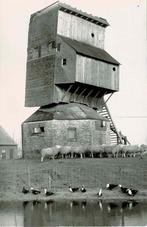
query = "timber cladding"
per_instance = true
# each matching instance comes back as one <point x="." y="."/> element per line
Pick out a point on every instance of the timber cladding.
<point x="39" y="81"/>
<point x="79" y="29"/>
<point x="62" y="132"/>
<point x="97" y="73"/>
<point x="66" y="46"/>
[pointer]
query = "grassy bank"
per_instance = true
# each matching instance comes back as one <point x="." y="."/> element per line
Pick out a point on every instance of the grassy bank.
<point x="58" y="174"/>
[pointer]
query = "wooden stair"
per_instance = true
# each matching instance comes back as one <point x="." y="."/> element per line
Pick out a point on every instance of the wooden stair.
<point x="115" y="136"/>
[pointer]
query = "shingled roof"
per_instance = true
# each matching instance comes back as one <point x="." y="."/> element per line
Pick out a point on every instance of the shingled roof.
<point x="5" y="139"/>
<point x="90" y="51"/>
<point x="71" y="111"/>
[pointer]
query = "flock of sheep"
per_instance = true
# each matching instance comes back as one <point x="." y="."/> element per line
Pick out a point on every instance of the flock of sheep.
<point x="101" y="151"/>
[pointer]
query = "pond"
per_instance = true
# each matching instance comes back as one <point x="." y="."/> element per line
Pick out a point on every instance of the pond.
<point x="73" y="213"/>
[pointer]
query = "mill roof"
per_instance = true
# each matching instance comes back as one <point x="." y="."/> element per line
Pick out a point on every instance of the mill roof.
<point x="71" y="111"/>
<point x="90" y="51"/>
<point x="74" y="11"/>
<point x="5" y="139"/>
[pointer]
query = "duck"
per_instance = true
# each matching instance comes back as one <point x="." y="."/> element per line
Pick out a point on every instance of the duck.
<point x="100" y="193"/>
<point x="83" y="189"/>
<point x="48" y="193"/>
<point x="25" y="190"/>
<point x="124" y="190"/>
<point x="35" y="191"/>
<point x="131" y="192"/>
<point x="111" y="186"/>
<point x="73" y="189"/>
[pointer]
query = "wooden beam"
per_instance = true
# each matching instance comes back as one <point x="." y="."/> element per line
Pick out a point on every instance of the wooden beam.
<point x="75" y="93"/>
<point x="70" y="86"/>
<point x="81" y="93"/>
<point x="108" y="97"/>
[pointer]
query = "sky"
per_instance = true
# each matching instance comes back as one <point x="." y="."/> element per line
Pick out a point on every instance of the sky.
<point x="125" y="40"/>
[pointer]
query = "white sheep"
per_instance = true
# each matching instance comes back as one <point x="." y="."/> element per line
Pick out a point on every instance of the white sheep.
<point x="50" y="152"/>
<point x="143" y="150"/>
<point x="65" y="151"/>
<point x="130" y="150"/>
<point x="97" y="149"/>
<point x="108" y="150"/>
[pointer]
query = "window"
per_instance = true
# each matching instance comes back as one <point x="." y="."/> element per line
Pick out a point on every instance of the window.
<point x="92" y="35"/>
<point x="38" y="130"/>
<point x="114" y="69"/>
<point x="64" y="61"/>
<point x="72" y="134"/>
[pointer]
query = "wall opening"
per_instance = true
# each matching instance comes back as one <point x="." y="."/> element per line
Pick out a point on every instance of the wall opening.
<point x="38" y="130"/>
<point x="72" y="134"/>
<point x="64" y="62"/>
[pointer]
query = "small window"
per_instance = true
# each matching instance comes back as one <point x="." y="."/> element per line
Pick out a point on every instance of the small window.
<point x="37" y="130"/>
<point x="58" y="46"/>
<point x="72" y="134"/>
<point x="114" y="69"/>
<point x="64" y="61"/>
<point x="92" y="35"/>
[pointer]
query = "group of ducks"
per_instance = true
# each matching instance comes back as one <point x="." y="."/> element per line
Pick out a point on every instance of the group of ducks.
<point x="36" y="191"/>
<point x="127" y="191"/>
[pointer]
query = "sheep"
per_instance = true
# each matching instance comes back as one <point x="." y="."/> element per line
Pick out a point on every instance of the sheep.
<point x="143" y="150"/>
<point x="97" y="150"/>
<point x="50" y="152"/>
<point x="66" y="151"/>
<point x="108" y="150"/>
<point x="116" y="150"/>
<point x="130" y="150"/>
<point x="79" y="150"/>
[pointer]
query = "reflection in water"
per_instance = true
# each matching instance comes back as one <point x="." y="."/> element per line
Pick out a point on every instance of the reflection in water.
<point x="73" y="213"/>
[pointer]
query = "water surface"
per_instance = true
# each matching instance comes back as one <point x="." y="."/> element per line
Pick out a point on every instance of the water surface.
<point x="73" y="213"/>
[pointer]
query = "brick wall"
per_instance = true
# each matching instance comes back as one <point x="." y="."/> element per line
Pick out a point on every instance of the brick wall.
<point x="57" y="132"/>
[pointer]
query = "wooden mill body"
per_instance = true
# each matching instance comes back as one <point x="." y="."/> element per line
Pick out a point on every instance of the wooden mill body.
<point x="67" y="67"/>
<point x="66" y="58"/>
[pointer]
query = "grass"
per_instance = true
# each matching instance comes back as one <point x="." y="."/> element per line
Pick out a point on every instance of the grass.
<point x="58" y="174"/>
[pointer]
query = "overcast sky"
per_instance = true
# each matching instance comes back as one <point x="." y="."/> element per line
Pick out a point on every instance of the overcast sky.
<point x="125" y="40"/>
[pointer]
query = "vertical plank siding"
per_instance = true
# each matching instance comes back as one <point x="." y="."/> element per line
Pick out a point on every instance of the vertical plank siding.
<point x="79" y="29"/>
<point x="97" y="73"/>
<point x="40" y="81"/>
